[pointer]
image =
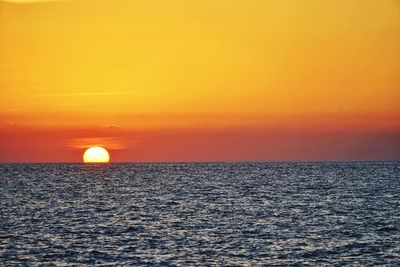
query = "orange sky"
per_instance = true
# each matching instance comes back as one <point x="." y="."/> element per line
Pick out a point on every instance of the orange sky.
<point x="194" y="80"/>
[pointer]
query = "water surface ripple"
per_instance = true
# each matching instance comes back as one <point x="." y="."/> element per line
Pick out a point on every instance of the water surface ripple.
<point x="200" y="214"/>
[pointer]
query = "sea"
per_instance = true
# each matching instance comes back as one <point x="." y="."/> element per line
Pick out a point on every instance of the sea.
<point x="201" y="214"/>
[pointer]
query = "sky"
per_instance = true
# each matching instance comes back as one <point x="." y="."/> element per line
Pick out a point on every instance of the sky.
<point x="200" y="80"/>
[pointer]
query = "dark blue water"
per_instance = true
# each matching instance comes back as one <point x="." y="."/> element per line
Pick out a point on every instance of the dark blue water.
<point x="332" y="213"/>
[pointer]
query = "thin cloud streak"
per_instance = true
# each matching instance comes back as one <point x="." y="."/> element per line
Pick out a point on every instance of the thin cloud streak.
<point x="36" y="1"/>
<point x="77" y="94"/>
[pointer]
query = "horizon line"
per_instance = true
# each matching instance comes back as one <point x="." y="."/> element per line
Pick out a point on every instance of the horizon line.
<point x="185" y="162"/>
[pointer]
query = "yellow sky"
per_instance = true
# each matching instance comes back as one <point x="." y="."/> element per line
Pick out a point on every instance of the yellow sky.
<point x="183" y="63"/>
<point x="191" y="56"/>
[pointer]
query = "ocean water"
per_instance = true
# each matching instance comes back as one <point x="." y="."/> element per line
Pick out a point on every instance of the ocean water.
<point x="200" y="214"/>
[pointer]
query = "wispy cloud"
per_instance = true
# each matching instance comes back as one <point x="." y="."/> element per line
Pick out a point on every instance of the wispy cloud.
<point x="35" y="1"/>
<point x="112" y="126"/>
<point x="90" y="94"/>
<point x="76" y="94"/>
<point x="109" y="142"/>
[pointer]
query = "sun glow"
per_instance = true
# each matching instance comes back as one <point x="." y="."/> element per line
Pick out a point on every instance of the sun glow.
<point x="96" y="155"/>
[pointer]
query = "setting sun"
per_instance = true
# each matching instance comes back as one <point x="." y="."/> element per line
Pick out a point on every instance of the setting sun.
<point x="96" y="155"/>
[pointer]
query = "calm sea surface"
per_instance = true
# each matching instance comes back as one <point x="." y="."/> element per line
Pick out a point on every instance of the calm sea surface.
<point x="204" y="214"/>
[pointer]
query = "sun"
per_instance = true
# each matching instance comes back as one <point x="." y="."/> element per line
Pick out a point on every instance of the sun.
<point x="96" y="154"/>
